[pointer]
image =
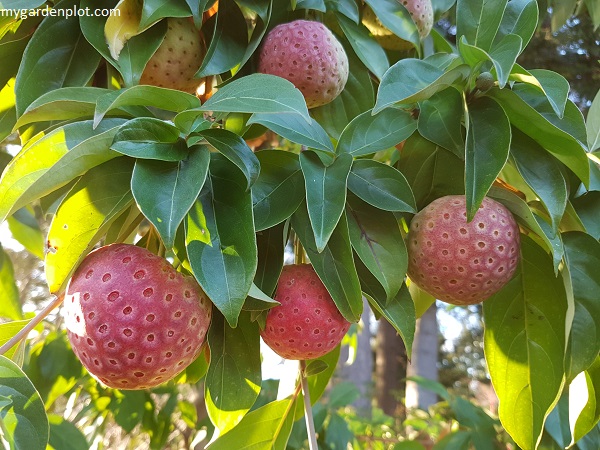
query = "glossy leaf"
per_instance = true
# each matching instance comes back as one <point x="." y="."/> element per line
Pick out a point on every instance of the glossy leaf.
<point x="64" y="435"/>
<point x="234" y="375"/>
<point x="10" y="329"/>
<point x="375" y="237"/>
<point x="542" y="173"/>
<point x="520" y="18"/>
<point x="556" y="88"/>
<point x="584" y="399"/>
<point x="440" y="121"/>
<point x="487" y="148"/>
<point x="325" y="193"/>
<point x="525" y="344"/>
<point x="561" y="144"/>
<point x="278" y="190"/>
<point x="229" y="41"/>
<point x="53" y="160"/>
<point x="381" y="186"/>
<point x="396" y="18"/>
<point x="12" y="53"/>
<point x="258" y="93"/>
<point x="88" y="209"/>
<point x="266" y="428"/>
<point x="593" y="124"/>
<point x="24" y="420"/>
<point x="220" y="239"/>
<point x="582" y="254"/>
<point x="57" y="55"/>
<point x="154" y="10"/>
<point x="235" y="149"/>
<point x="368" y="133"/>
<point x="165" y="192"/>
<point x="149" y="138"/>
<point x="10" y="307"/>
<point x="413" y="80"/>
<point x="271" y="249"/>
<point x="479" y="21"/>
<point x="8" y="112"/>
<point x="334" y="265"/>
<point x="295" y="128"/>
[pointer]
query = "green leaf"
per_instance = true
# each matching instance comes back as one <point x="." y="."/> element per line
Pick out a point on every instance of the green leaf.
<point x="588" y="210"/>
<point x="479" y="21"/>
<point x="278" y="190"/>
<point x="271" y="248"/>
<point x="556" y="88"/>
<point x="228" y="45"/>
<point x="154" y="10"/>
<point x="220" y="239"/>
<point x="396" y="18"/>
<point x="24" y="421"/>
<point x="149" y="138"/>
<point x="412" y="80"/>
<point x="84" y="215"/>
<point x="440" y="120"/>
<point x="375" y="237"/>
<point x="368" y="133"/>
<point x="542" y="173"/>
<point x="593" y="124"/>
<point x="381" y="186"/>
<point x="258" y="93"/>
<point x="325" y="193"/>
<point x="334" y="265"/>
<point x="65" y="436"/>
<point x="266" y="428"/>
<point x="53" y="160"/>
<point x="582" y="255"/>
<point x="295" y="128"/>
<point x="141" y="95"/>
<point x="26" y="230"/>
<point x="561" y="144"/>
<point x="456" y="440"/>
<point x="584" y="399"/>
<point x="235" y="149"/>
<point x="12" y="52"/>
<point x="234" y="376"/>
<point x="365" y="47"/>
<point x="525" y="344"/>
<point x="258" y="301"/>
<point x="128" y="409"/>
<point x="358" y="96"/>
<point x="348" y="8"/>
<point x="315" y="367"/>
<point x="165" y="192"/>
<point x="10" y="307"/>
<point x="10" y="329"/>
<point x="488" y="145"/>
<point x="8" y="112"/>
<point x="520" y="18"/>
<point x="57" y="55"/>
<point x="594" y="12"/>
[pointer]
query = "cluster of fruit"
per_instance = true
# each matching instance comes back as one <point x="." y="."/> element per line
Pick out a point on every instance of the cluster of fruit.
<point x="135" y="322"/>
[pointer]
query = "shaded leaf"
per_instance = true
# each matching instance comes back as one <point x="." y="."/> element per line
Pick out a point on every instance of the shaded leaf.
<point x="479" y="21"/>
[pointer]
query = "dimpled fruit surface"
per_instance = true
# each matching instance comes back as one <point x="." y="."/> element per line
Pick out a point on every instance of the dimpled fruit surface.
<point x="307" y="324"/>
<point x="309" y="55"/>
<point x="132" y="320"/>
<point x="458" y="262"/>
<point x="177" y="59"/>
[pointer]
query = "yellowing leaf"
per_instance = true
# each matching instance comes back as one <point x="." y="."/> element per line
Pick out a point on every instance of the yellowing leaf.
<point x="121" y="27"/>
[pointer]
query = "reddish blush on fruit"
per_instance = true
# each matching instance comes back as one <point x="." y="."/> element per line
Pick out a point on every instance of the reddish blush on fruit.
<point x="307" y="324"/>
<point x="132" y="320"/>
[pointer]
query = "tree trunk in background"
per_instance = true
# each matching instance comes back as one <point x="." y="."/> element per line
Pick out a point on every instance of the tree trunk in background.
<point x="424" y="361"/>
<point x="390" y="369"/>
<point x="360" y="372"/>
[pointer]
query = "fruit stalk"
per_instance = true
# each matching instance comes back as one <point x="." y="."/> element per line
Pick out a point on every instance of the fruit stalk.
<point x="32" y="324"/>
<point x="308" y="415"/>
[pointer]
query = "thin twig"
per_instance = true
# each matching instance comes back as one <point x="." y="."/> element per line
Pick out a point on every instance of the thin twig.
<point x="310" y="423"/>
<point x="22" y="334"/>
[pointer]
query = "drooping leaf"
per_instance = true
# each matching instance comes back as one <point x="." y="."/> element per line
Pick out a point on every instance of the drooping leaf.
<point x="325" y="193"/>
<point x="396" y="18"/>
<point x="57" y="55"/>
<point x="121" y="27"/>
<point x="412" y="80"/>
<point x="278" y="190"/>
<point x="235" y="149"/>
<point x="487" y="148"/>
<point x="88" y="209"/>
<point x="525" y="344"/>
<point x="234" y="375"/>
<point x="368" y="133"/>
<point x="24" y="420"/>
<point x="271" y="249"/>
<point x="258" y="93"/>
<point x="220" y="239"/>
<point x="440" y="120"/>
<point x="556" y="88"/>
<point x="479" y="21"/>
<point x="375" y="237"/>
<point x="165" y="192"/>
<point x="334" y="265"/>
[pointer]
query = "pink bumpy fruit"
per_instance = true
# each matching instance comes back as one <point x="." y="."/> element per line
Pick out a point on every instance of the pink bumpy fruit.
<point x="458" y="262"/>
<point x="132" y="320"/>
<point x="309" y="55"/>
<point x="307" y="324"/>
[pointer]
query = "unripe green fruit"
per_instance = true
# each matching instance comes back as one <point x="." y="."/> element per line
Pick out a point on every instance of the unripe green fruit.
<point x="485" y="81"/>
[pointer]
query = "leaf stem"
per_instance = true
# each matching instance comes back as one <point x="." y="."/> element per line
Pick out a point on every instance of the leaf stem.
<point x="310" y="423"/>
<point x="287" y="410"/>
<point x="32" y="324"/>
